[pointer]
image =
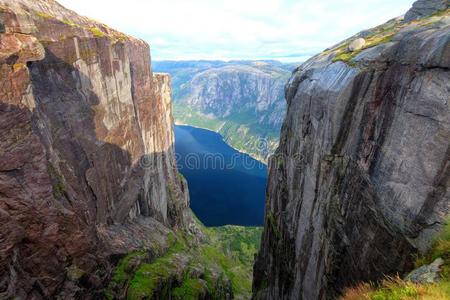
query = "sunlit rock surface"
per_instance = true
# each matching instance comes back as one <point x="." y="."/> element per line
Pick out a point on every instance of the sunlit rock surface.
<point x="87" y="165"/>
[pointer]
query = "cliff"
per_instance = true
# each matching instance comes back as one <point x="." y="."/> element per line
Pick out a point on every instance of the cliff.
<point x="87" y="170"/>
<point x="241" y="100"/>
<point x="360" y="181"/>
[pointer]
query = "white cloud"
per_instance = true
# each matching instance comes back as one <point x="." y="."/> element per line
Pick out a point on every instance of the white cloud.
<point x="239" y="29"/>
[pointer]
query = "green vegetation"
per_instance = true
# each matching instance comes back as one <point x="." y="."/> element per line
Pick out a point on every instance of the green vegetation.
<point x="234" y="247"/>
<point x="57" y="182"/>
<point x="187" y="115"/>
<point x="181" y="177"/>
<point x="441" y="248"/>
<point x="149" y="277"/>
<point x="191" y="289"/>
<point x="18" y="66"/>
<point x="242" y="131"/>
<point x="249" y="127"/>
<point x="44" y="15"/>
<point x="381" y="35"/>
<point x="190" y="269"/>
<point x="96" y="32"/>
<point x="241" y="242"/>
<point x="398" y="289"/>
<point x="172" y="192"/>
<point x="124" y="271"/>
<point x="432" y="19"/>
<point x="345" y="56"/>
<point x="272" y="223"/>
<point x="374" y="40"/>
<point x="70" y="23"/>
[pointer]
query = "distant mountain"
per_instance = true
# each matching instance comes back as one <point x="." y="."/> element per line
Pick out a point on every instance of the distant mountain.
<point x="242" y="100"/>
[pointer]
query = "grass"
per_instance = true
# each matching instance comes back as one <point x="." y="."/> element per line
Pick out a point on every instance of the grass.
<point x="122" y="270"/>
<point x="272" y="223"/>
<point x="241" y="242"/>
<point x="70" y="23"/>
<point x="171" y="192"/>
<point x="191" y="289"/>
<point x="226" y="256"/>
<point x="159" y="278"/>
<point x="151" y="278"/>
<point x="59" y="189"/>
<point x="18" y="66"/>
<point x="96" y="32"/>
<point x="234" y="248"/>
<point x="398" y="289"/>
<point x="44" y="15"/>
<point x="377" y="39"/>
<point x="440" y="248"/>
<point x="381" y="35"/>
<point x="345" y="56"/>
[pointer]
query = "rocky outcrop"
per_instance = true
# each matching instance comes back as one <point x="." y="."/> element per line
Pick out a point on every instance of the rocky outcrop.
<point x="242" y="100"/>
<point x="426" y="274"/>
<point x="424" y="8"/>
<point x="356" y="45"/>
<point x="86" y="152"/>
<point x="360" y="181"/>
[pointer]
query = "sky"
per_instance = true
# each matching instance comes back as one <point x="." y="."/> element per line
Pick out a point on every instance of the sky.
<point x="285" y="30"/>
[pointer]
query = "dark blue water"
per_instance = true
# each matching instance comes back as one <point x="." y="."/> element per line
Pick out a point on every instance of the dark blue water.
<point x="225" y="186"/>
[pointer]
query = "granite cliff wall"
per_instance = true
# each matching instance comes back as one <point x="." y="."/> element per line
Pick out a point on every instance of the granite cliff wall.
<point x="360" y="181"/>
<point x="87" y="168"/>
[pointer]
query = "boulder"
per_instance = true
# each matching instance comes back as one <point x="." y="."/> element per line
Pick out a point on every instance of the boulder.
<point x="356" y="45"/>
<point x="426" y="274"/>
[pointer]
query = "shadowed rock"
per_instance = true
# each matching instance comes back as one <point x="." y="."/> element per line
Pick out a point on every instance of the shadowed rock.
<point x="360" y="180"/>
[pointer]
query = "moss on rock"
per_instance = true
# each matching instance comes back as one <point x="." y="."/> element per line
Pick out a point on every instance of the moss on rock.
<point x="217" y="268"/>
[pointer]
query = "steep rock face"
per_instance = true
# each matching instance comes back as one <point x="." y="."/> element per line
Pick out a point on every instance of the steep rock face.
<point x="231" y="89"/>
<point x="86" y="151"/>
<point x="243" y="101"/>
<point x="360" y="181"/>
<point x="425" y="8"/>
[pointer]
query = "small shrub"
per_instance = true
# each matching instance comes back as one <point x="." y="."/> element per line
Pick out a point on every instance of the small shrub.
<point x="271" y="221"/>
<point x="59" y="189"/>
<point x="44" y="15"/>
<point x="96" y="32"/>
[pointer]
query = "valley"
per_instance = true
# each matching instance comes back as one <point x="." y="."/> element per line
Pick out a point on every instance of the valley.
<point x="225" y="186"/>
<point x="241" y="100"/>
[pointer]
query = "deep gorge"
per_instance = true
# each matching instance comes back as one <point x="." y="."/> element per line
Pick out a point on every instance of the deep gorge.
<point x="226" y="187"/>
<point x="93" y="205"/>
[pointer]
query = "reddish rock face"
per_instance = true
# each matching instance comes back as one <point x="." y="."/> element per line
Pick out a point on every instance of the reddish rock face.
<point x="86" y="150"/>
